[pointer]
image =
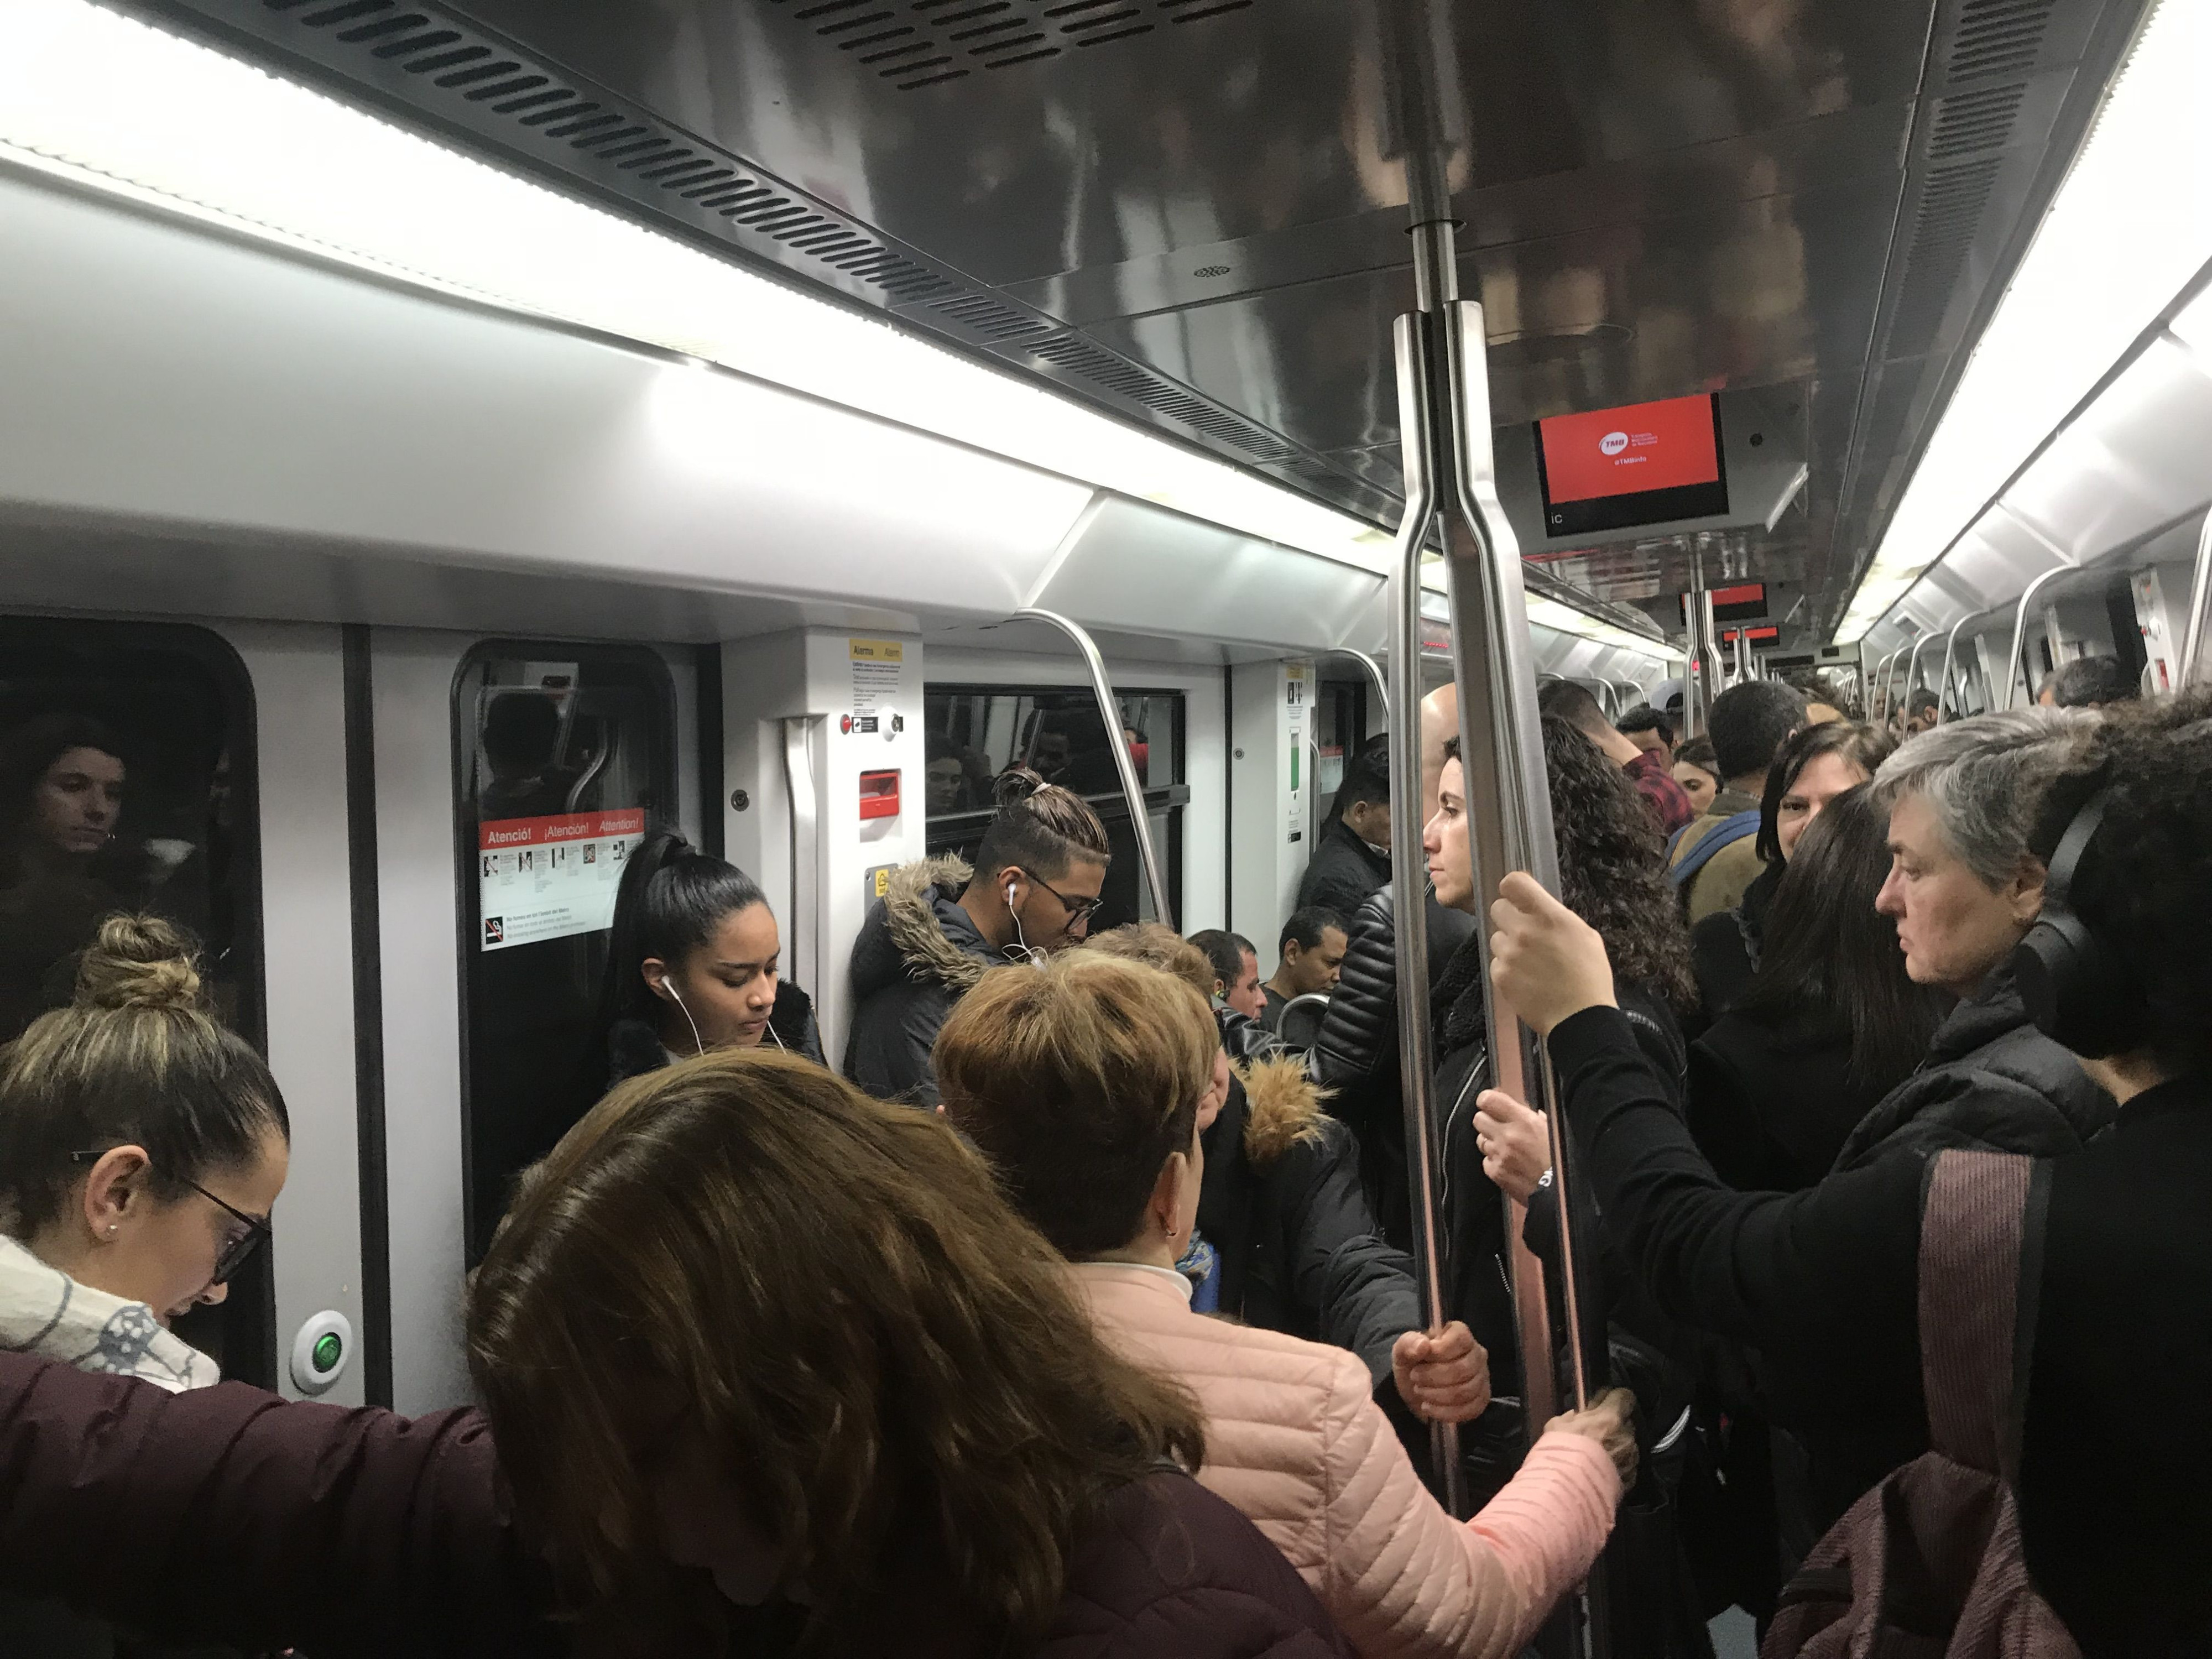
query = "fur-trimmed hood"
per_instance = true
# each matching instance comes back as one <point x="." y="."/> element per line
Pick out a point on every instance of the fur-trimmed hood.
<point x="1283" y="1107"/>
<point x="919" y="933"/>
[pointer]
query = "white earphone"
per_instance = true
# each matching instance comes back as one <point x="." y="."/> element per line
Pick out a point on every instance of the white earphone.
<point x="669" y="986"/>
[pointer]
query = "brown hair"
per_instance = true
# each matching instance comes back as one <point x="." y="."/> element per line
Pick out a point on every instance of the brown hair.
<point x="1160" y="947"/>
<point x="1078" y="1081"/>
<point x="1040" y="828"/>
<point x="829" y="1291"/>
<point x="135" y="1060"/>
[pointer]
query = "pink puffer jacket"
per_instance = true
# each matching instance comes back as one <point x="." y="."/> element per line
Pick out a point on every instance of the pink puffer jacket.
<point x="1294" y="1438"/>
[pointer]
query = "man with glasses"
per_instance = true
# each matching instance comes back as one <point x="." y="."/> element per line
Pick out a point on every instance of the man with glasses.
<point x="940" y="924"/>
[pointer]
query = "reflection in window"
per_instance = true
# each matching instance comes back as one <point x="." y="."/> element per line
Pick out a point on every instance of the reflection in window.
<point x="565" y="758"/>
<point x="976" y="732"/>
<point x="126" y="784"/>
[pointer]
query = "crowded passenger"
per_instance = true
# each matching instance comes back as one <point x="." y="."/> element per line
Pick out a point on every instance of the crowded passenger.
<point x="62" y="869"/>
<point x="1236" y="963"/>
<point x="1824" y="701"/>
<point x="1352" y="855"/>
<point x="1289" y="1242"/>
<point x="1818" y="763"/>
<point x="521" y="744"/>
<point x="1650" y="769"/>
<point x="1699" y="773"/>
<point x="2087" y="682"/>
<point x="2104" y="832"/>
<point x="1309" y="960"/>
<point x="1647" y="728"/>
<point x="1355" y="1052"/>
<point x="694" y="962"/>
<point x="1081" y="1085"/>
<point x="1038" y="874"/>
<point x="142" y="1148"/>
<point x="1715" y="858"/>
<point x="1610" y="872"/>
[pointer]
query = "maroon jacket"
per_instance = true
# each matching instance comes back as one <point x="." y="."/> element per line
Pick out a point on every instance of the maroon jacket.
<point x="229" y="1515"/>
<point x="1654" y="777"/>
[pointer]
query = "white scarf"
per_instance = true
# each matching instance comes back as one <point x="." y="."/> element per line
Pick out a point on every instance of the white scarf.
<point x="44" y="1311"/>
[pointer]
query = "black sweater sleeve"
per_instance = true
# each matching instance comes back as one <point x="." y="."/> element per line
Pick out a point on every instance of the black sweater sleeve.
<point x="1826" y="1274"/>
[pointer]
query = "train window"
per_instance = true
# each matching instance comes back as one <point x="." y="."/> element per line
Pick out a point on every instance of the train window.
<point x="127" y="782"/>
<point x="1339" y="729"/>
<point x="564" y="755"/>
<point x="976" y="732"/>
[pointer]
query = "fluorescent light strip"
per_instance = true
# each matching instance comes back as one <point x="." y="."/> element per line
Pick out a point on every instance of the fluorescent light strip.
<point x="99" y="97"/>
<point x="2130" y="226"/>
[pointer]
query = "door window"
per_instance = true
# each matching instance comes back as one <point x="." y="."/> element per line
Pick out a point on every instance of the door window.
<point x="127" y="783"/>
<point x="976" y="732"/>
<point x="566" y="757"/>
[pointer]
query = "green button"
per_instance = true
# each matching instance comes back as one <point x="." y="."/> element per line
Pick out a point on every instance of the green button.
<point x="328" y="1351"/>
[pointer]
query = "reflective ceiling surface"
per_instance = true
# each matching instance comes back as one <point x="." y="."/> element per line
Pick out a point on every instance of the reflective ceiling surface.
<point x="1195" y="211"/>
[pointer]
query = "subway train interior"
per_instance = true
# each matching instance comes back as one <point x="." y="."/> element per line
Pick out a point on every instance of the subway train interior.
<point x="440" y="442"/>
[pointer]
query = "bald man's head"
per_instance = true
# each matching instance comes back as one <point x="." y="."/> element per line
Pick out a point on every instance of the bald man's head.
<point x="1439" y="722"/>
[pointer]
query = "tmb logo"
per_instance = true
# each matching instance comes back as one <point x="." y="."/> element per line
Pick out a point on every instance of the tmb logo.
<point x="1612" y="443"/>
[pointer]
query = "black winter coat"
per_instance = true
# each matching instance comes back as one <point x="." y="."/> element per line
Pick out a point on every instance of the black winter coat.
<point x="1344" y="871"/>
<point x="1769" y="1112"/>
<point x="1355" y="1053"/>
<point x="1724" y="947"/>
<point x="2117" y="1455"/>
<point x="1282" y="1204"/>
<point x="1991" y="1082"/>
<point x="918" y="954"/>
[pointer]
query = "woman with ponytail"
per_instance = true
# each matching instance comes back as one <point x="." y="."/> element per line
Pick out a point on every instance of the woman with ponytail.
<point x="693" y="965"/>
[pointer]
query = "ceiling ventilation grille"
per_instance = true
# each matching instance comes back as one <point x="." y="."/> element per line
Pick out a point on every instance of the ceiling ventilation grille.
<point x="455" y="70"/>
<point x="1081" y="360"/>
<point x="914" y="44"/>
<point x="1971" y="121"/>
<point x="1998" y="37"/>
<point x="987" y="318"/>
<point x="1951" y="202"/>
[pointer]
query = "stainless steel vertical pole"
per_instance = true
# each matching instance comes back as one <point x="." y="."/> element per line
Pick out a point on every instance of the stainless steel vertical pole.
<point x="1912" y="667"/>
<point x="1502" y="748"/>
<point x="2200" y="602"/>
<point x="1133" y="791"/>
<point x="1950" y="650"/>
<point x="1416" y="1065"/>
<point x="2016" y="670"/>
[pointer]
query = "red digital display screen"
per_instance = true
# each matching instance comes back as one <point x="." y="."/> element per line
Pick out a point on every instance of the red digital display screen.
<point x="1620" y="452"/>
<point x="1638" y="463"/>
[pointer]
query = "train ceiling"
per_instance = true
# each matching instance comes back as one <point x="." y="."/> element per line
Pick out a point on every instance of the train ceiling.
<point x="1193" y="211"/>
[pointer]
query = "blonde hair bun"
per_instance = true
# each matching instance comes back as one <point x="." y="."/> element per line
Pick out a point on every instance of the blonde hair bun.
<point x="138" y="961"/>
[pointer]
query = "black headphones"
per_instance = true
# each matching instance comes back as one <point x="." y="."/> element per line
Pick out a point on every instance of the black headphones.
<point x="2077" y="990"/>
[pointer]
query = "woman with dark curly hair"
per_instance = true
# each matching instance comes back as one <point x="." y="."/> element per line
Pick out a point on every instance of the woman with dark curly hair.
<point x="1612" y="875"/>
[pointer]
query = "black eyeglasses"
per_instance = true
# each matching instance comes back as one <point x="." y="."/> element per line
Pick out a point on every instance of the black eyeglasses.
<point x="236" y="1254"/>
<point x="1078" y="908"/>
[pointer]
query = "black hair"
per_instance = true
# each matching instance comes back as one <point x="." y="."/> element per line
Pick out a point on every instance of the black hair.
<point x="136" y="1059"/>
<point x="1750" y="722"/>
<point x="1698" y="752"/>
<point x="1305" y="927"/>
<point x="2092" y="683"/>
<point x="1830" y="968"/>
<point x="521" y="728"/>
<point x="1226" y="952"/>
<point x="1572" y="703"/>
<point x="1040" y="827"/>
<point x="1613" y="872"/>
<point x="2144" y="887"/>
<point x="1922" y="702"/>
<point x="672" y="899"/>
<point x="1366" y="778"/>
<point x="26" y="756"/>
<point x="1861" y="745"/>
<point x="1645" y="718"/>
<point x="1822" y="688"/>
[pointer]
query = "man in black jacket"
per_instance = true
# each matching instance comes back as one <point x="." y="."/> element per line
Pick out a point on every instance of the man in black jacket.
<point x="1352" y="857"/>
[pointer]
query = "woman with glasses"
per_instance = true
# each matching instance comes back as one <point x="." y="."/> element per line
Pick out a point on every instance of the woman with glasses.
<point x="142" y="1146"/>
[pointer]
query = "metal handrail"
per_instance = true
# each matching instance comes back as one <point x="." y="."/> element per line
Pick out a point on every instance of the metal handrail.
<point x="1374" y="673"/>
<point x="805" y="875"/>
<point x="1950" y="648"/>
<point x="1408" y="867"/>
<point x="2200" y="603"/>
<point x="2015" y="673"/>
<point x="1133" y="791"/>
<point x="1912" y="667"/>
<point x="1878" y="691"/>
